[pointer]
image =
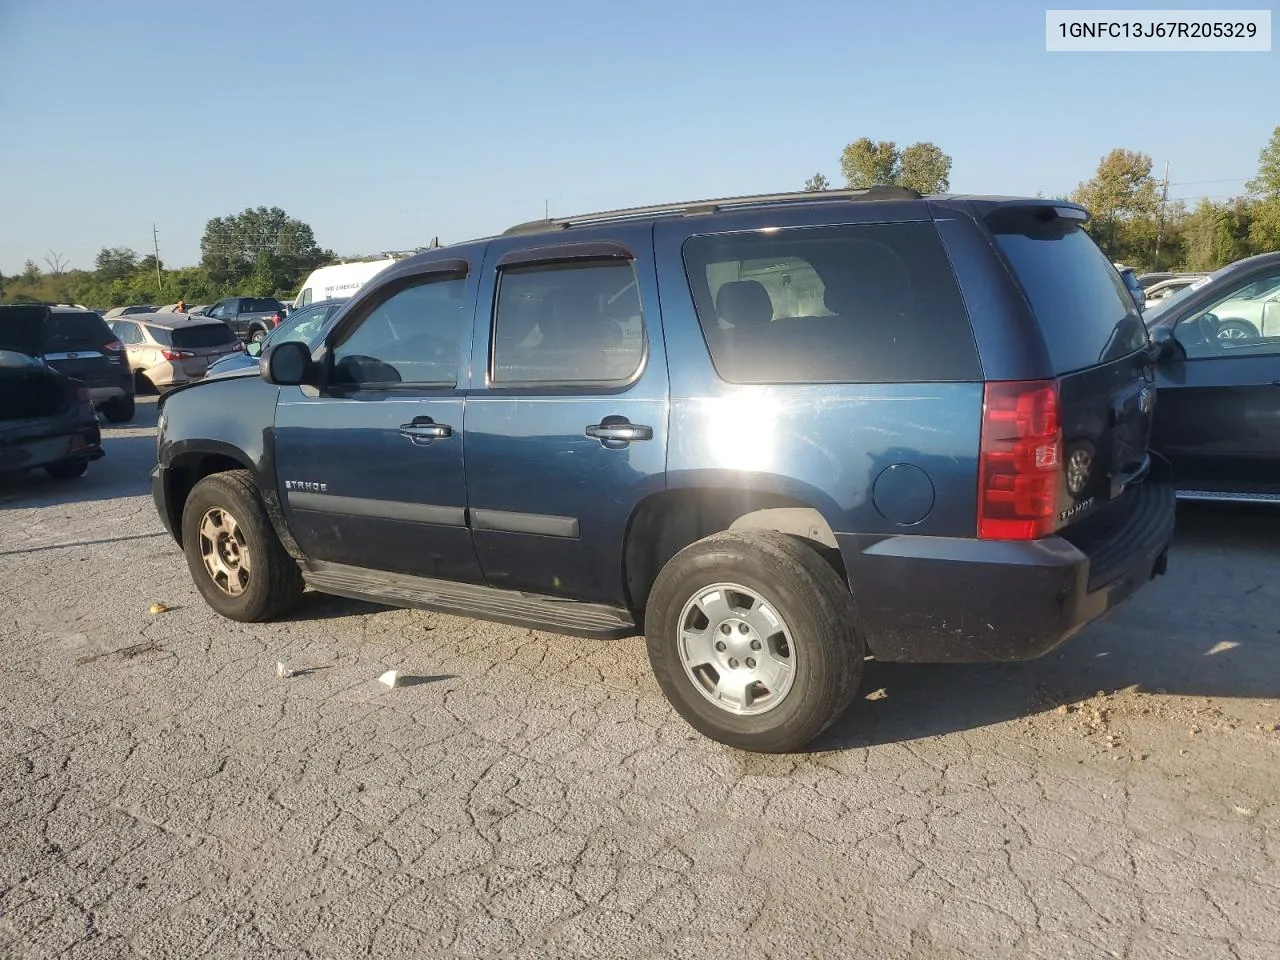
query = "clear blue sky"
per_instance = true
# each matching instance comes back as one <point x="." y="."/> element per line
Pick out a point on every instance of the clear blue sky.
<point x="383" y="123"/>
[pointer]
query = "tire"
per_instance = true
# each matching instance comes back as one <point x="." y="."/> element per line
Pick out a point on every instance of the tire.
<point x="142" y="385"/>
<point x="257" y="335"/>
<point x="817" y="635"/>
<point x="256" y="579"/>
<point x="67" y="469"/>
<point x="119" y="409"/>
<point x="1233" y="331"/>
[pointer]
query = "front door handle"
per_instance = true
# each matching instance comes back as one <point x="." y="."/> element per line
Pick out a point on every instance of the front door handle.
<point x="617" y="432"/>
<point x="424" y="430"/>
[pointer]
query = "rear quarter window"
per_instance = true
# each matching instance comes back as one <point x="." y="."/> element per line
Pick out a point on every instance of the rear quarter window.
<point x="258" y="305"/>
<point x="870" y="303"/>
<point x="1084" y="311"/>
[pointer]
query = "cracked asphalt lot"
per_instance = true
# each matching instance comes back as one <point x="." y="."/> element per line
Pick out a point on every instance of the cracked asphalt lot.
<point x="163" y="793"/>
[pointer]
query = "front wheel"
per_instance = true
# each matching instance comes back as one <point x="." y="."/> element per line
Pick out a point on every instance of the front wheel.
<point x="753" y="639"/>
<point x="120" y="409"/>
<point x="233" y="553"/>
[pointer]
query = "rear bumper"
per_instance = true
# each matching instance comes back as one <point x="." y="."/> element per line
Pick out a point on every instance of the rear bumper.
<point x="76" y="440"/>
<point x="939" y="600"/>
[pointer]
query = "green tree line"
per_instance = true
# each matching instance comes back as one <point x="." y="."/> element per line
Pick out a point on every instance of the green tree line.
<point x="261" y="251"/>
<point x="1132" y="222"/>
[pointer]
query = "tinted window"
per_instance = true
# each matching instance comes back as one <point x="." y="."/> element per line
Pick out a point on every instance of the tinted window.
<point x="82" y="328"/>
<point x="1086" y="314"/>
<point x="200" y="335"/>
<point x="568" y="323"/>
<point x="259" y="305"/>
<point x="411" y="338"/>
<point x="856" y="304"/>
<point x="1243" y="321"/>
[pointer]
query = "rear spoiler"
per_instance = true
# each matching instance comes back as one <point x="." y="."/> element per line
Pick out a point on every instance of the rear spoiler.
<point x="1037" y="208"/>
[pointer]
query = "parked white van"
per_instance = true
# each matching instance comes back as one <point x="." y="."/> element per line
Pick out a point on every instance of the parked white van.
<point x="339" y="281"/>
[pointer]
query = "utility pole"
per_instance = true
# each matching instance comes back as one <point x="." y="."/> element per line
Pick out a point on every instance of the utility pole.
<point x="155" y="242"/>
<point x="1164" y="197"/>
<point x="546" y="209"/>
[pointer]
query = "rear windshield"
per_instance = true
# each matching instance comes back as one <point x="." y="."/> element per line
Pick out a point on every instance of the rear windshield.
<point x="871" y="303"/>
<point x="87" y="328"/>
<point x="1085" y="313"/>
<point x="258" y="305"/>
<point x="199" y="335"/>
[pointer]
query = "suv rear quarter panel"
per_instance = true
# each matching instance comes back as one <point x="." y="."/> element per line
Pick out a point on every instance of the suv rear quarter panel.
<point x="876" y="459"/>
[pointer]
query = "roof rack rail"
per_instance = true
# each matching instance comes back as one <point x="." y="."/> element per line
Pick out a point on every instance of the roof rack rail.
<point x="698" y="207"/>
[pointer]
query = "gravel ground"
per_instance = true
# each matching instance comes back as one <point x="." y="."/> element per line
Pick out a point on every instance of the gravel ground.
<point x="163" y="793"/>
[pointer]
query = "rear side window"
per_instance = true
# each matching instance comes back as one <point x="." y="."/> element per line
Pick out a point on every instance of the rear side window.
<point x="873" y="303"/>
<point x="82" y="328"/>
<point x="568" y="323"/>
<point x="1085" y="312"/>
<point x="200" y="335"/>
<point x="258" y="305"/>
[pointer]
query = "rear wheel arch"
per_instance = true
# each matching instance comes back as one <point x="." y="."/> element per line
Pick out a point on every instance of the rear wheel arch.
<point x="667" y="522"/>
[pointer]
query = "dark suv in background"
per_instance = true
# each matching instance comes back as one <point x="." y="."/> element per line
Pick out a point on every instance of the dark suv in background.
<point x="772" y="433"/>
<point x="252" y="318"/>
<point x="81" y="345"/>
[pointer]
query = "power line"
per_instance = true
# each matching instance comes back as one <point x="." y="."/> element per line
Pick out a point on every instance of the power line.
<point x="1191" y="183"/>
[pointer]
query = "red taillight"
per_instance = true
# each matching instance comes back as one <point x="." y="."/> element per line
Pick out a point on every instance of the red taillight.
<point x="276" y="318"/>
<point x="176" y="354"/>
<point x="115" y="346"/>
<point x="1020" y="468"/>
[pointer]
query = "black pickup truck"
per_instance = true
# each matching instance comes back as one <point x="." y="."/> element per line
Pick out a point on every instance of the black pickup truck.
<point x="252" y="318"/>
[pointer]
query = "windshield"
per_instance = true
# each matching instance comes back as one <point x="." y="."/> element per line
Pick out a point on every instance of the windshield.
<point x="302" y="326"/>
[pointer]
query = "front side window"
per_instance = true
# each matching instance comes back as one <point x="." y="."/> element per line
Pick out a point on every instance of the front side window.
<point x="568" y="323"/>
<point x="410" y="338"/>
<point x="871" y="303"/>
<point x="1243" y="321"/>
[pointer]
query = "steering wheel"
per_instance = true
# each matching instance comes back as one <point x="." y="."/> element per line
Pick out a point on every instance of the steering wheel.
<point x="1207" y="327"/>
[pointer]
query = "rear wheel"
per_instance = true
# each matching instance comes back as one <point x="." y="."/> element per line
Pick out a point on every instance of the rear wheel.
<point x="257" y="335"/>
<point x="753" y="639"/>
<point x="119" y="409"/>
<point x="67" y="469"/>
<point x="143" y="385"/>
<point x="233" y="553"/>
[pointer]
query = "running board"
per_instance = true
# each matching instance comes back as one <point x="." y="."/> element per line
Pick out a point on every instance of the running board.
<point x="1225" y="496"/>
<point x="470" y="600"/>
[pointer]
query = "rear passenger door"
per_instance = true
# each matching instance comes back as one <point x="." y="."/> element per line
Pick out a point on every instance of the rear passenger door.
<point x="567" y="424"/>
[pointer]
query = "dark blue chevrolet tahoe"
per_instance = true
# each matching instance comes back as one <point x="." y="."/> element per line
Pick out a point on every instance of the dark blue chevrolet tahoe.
<point x="774" y="434"/>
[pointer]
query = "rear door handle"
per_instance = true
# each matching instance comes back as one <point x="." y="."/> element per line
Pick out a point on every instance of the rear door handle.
<point x="619" y="431"/>
<point x="424" y="430"/>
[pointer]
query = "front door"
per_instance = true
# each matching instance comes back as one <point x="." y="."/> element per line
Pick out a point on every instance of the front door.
<point x="370" y="466"/>
<point x="567" y="432"/>
<point x="1218" y="414"/>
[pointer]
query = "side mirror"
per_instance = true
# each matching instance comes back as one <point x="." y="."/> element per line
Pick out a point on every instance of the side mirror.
<point x="288" y="364"/>
<point x="1164" y="345"/>
<point x="253" y="348"/>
